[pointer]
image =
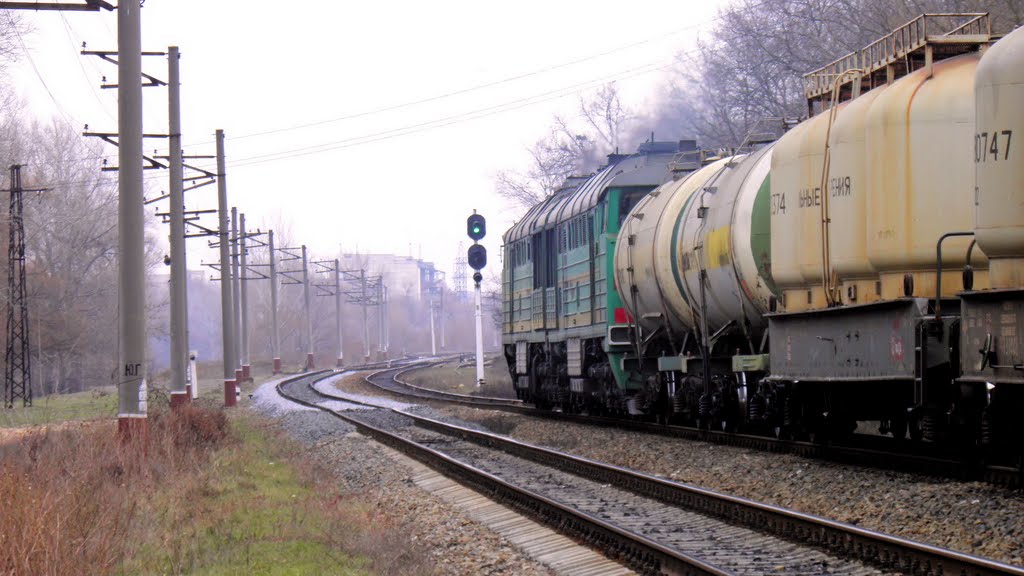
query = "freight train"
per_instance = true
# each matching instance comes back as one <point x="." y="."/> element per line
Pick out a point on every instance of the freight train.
<point x="864" y="269"/>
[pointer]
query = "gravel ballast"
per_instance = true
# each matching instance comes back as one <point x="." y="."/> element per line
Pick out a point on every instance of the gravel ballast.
<point x="972" y="517"/>
<point x="457" y="545"/>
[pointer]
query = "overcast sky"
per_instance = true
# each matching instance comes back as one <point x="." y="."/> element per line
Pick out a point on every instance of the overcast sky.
<point x="323" y="103"/>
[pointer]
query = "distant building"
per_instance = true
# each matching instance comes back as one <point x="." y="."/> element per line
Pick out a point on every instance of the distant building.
<point x="403" y="275"/>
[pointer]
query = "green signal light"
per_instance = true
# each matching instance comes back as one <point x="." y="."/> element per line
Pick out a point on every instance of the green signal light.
<point x="476" y="226"/>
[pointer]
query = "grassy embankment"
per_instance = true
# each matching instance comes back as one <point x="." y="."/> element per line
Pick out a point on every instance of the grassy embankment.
<point x="209" y="496"/>
<point x="101" y="402"/>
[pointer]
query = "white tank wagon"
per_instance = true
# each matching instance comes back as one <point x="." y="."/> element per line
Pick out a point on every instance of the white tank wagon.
<point x="865" y="268"/>
<point x="692" y="263"/>
<point x="992" y="320"/>
<point x="831" y="279"/>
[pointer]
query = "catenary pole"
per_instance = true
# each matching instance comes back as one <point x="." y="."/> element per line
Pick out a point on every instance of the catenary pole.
<point x="131" y="390"/>
<point x="227" y="323"/>
<point x="275" y="335"/>
<point x="310" y="363"/>
<point x="444" y="342"/>
<point x="180" y="394"/>
<point x="380" y="318"/>
<point x="236" y="296"/>
<point x="337" y="311"/>
<point x="387" y="321"/>
<point x="366" y="326"/>
<point x="244" y="290"/>
<point x="433" y="336"/>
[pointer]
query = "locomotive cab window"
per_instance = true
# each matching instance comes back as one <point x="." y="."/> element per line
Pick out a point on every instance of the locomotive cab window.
<point x="628" y="201"/>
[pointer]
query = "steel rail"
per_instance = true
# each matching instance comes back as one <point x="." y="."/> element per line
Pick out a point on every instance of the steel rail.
<point x="431" y="394"/>
<point x="877" y="548"/>
<point x="646" y="556"/>
<point x="872" y="457"/>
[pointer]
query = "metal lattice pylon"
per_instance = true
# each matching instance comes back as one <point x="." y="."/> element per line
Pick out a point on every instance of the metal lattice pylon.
<point x="18" y="376"/>
<point x="460" y="278"/>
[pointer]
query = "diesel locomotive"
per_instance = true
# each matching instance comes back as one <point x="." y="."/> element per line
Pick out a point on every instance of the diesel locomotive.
<point x="864" y="269"/>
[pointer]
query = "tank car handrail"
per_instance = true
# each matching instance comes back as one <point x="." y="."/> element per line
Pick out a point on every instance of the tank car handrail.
<point x="969" y="28"/>
<point x="893" y="46"/>
<point x="938" y="269"/>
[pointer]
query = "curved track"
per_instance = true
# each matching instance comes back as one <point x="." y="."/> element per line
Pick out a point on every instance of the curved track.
<point x="656" y="526"/>
<point x="862" y="450"/>
<point x="396" y="385"/>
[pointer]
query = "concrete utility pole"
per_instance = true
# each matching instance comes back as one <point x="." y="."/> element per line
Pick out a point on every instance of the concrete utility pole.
<point x="244" y="288"/>
<point x="180" y="394"/>
<point x="387" y="320"/>
<point x="381" y="320"/>
<point x="310" y="363"/>
<point x="236" y="295"/>
<point x="337" y="312"/>
<point x="131" y="389"/>
<point x="227" y="324"/>
<point x="433" y="337"/>
<point x="275" y="336"/>
<point x="366" y="326"/>
<point x="444" y="342"/>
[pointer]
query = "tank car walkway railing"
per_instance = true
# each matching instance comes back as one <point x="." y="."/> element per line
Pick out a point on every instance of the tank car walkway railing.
<point x="911" y="39"/>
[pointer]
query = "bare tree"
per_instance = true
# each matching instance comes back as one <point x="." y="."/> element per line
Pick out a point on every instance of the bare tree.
<point x="71" y="235"/>
<point x="751" y="64"/>
<point x="571" y="147"/>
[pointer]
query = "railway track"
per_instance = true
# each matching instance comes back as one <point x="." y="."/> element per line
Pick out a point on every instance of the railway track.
<point x="396" y="385"/>
<point x="861" y="450"/>
<point x="654" y="525"/>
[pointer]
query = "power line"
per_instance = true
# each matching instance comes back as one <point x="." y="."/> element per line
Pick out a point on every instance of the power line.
<point x="74" y="44"/>
<point x="440" y="122"/>
<point x="446" y="121"/>
<point x="67" y="117"/>
<point x="470" y="89"/>
<point x="457" y="118"/>
<point x="377" y="136"/>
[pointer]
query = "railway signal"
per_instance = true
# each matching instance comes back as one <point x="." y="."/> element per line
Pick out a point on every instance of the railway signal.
<point x="477" y="257"/>
<point x="476" y="226"/>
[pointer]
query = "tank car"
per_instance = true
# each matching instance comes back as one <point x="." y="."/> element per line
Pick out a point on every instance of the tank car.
<point x="866" y="270"/>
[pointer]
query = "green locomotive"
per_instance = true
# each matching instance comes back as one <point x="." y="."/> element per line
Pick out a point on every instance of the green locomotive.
<point x="562" y="317"/>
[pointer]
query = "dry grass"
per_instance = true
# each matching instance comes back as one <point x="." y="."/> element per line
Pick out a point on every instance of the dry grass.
<point x="352" y="522"/>
<point x="70" y="494"/>
<point x="202" y="495"/>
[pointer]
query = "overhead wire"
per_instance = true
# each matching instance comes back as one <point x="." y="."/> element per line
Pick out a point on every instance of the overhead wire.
<point x="446" y="121"/>
<point x="470" y="89"/>
<point x="449" y="120"/>
<point x="21" y="41"/>
<point x="76" y="41"/>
